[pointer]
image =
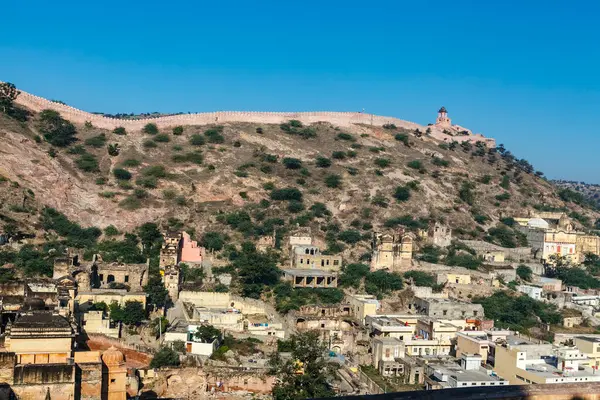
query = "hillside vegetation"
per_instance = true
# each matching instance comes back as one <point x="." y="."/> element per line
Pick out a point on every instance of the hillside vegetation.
<point x="243" y="181"/>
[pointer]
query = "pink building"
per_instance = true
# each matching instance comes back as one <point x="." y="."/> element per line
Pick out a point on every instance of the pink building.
<point x="190" y="251"/>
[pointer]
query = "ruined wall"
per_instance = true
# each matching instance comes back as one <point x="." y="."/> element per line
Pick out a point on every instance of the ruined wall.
<point x="7" y="365"/>
<point x="32" y="382"/>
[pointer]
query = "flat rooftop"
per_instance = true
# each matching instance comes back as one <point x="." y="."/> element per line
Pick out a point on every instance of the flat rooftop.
<point x="41" y="320"/>
<point x="309" y="272"/>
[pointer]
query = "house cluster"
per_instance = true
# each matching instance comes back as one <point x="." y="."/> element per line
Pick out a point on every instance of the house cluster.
<point x="553" y="234"/>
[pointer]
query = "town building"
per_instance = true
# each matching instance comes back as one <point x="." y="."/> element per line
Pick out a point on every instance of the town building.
<point x="439" y="235"/>
<point x="362" y="305"/>
<point x="448" y="309"/>
<point x="313" y="278"/>
<point x="181" y="331"/>
<point x="310" y="257"/>
<point x="534" y="292"/>
<point x="468" y="374"/>
<point x="392" y="251"/>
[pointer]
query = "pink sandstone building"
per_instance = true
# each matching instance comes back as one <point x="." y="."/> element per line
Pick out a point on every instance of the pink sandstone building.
<point x="190" y="251"/>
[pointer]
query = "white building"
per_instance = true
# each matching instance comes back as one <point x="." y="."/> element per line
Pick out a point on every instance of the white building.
<point x="468" y="374"/>
<point x="532" y="291"/>
<point x="186" y="333"/>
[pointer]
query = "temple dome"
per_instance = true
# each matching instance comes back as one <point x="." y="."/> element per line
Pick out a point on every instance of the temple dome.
<point x="443" y="110"/>
<point x="112" y="356"/>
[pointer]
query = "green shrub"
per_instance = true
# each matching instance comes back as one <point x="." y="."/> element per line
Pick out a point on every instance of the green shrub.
<point x="56" y="130"/>
<point x="131" y="162"/>
<point x="169" y="194"/>
<point x="350" y="236"/>
<point x="415" y="164"/>
<point x="295" y="206"/>
<point x="486" y="179"/>
<point x="352" y="171"/>
<point x="79" y="149"/>
<point x="147" y="181"/>
<point x="503" y="197"/>
<point x="286" y="194"/>
<point x="401" y="137"/>
<point x="96" y="141"/>
<point x="140" y="193"/>
<point x="269" y="186"/>
<point x="382" y="162"/>
<point x="402" y="193"/>
<point x="466" y="193"/>
<point x="333" y="181"/>
<point x="194" y="157"/>
<point x="351" y="153"/>
<point x="122" y="174"/>
<point x="440" y="162"/>
<point x="390" y="126"/>
<point x="149" y="144"/>
<point x="87" y="162"/>
<point x="214" y="135"/>
<point x="505" y="183"/>
<point x="162" y="138"/>
<point x="338" y="155"/>
<point x="107" y="195"/>
<point x="111" y="230"/>
<point x="119" y="131"/>
<point x="323" y="162"/>
<point x="150" y="129"/>
<point x="197" y="140"/>
<point x="178" y="130"/>
<point x="292" y="163"/>
<point x="345" y="136"/>
<point x="157" y="171"/>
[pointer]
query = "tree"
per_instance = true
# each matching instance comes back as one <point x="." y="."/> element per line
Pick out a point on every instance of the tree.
<point x="56" y="130"/>
<point x="207" y="333"/>
<point x="165" y="357"/>
<point x="421" y="278"/>
<point x="179" y="346"/>
<point x="256" y="270"/>
<point x="213" y="241"/>
<point x="350" y="236"/>
<point x="122" y="174"/>
<point x="8" y="94"/>
<point x="307" y="374"/>
<point x="178" y="130"/>
<point x="323" y="162"/>
<point x="524" y="272"/>
<point x="132" y="313"/>
<point x="157" y="293"/>
<point x="150" y="236"/>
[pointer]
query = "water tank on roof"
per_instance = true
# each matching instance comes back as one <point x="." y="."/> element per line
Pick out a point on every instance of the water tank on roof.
<point x="537" y="223"/>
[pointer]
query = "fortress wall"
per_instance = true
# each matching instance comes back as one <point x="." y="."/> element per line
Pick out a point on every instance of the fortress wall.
<point x="341" y="119"/>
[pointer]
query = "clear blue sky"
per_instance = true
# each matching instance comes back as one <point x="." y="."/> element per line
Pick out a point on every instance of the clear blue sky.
<point x="524" y="72"/>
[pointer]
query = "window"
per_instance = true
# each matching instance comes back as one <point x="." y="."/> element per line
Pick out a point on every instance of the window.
<point x="126" y="278"/>
<point x="445" y="312"/>
<point x="464" y="384"/>
<point x="113" y="380"/>
<point x="387" y="352"/>
<point x="336" y="262"/>
<point x="475" y="313"/>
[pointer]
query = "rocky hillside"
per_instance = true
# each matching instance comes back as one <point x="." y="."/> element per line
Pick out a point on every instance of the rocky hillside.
<point x="590" y="192"/>
<point x="247" y="179"/>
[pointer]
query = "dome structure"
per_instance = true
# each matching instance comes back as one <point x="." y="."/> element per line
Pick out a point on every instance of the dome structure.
<point x="112" y="356"/>
<point x="538" y="223"/>
<point x="443" y="110"/>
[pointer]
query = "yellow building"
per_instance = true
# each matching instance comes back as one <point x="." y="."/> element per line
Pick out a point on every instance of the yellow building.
<point x="363" y="305"/>
<point x="461" y="279"/>
<point x="108" y="296"/>
<point x="590" y="346"/>
<point x="40" y="338"/>
<point x="472" y="342"/>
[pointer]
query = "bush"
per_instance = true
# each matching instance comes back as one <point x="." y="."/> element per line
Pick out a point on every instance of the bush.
<point x="286" y="194"/>
<point x="338" y="155"/>
<point x="157" y="171"/>
<point x="486" y="179"/>
<point x="56" y="130"/>
<point x="87" y="162"/>
<point x="390" y="126"/>
<point x="149" y="144"/>
<point x="503" y="197"/>
<point x="213" y="241"/>
<point x="323" y="162"/>
<point x="346" y="136"/>
<point x="214" y="135"/>
<point x="505" y="184"/>
<point x="292" y="163"/>
<point x="466" y="193"/>
<point x="96" y="141"/>
<point x="150" y="129"/>
<point x="415" y="164"/>
<point x="402" y="193"/>
<point x="130" y="203"/>
<point x="295" y="206"/>
<point x="401" y="137"/>
<point x="197" y="140"/>
<point x="111" y="230"/>
<point x="120" y="131"/>
<point x="178" y="130"/>
<point x="259" y="130"/>
<point x="440" y="162"/>
<point x="122" y="174"/>
<point x="131" y="162"/>
<point x="79" y="149"/>
<point x="524" y="272"/>
<point x="333" y="181"/>
<point x="350" y="236"/>
<point x="149" y="182"/>
<point x="382" y="162"/>
<point x="194" y="157"/>
<point x="162" y="138"/>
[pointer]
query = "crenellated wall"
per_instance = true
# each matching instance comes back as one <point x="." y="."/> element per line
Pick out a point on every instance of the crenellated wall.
<point x="341" y="119"/>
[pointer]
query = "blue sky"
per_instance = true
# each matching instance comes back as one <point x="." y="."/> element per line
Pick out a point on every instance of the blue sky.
<point x="524" y="72"/>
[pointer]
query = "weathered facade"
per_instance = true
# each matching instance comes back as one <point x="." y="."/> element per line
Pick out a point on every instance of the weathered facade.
<point x="392" y="251"/>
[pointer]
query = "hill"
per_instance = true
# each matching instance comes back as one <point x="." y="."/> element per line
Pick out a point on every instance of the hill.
<point x="333" y="172"/>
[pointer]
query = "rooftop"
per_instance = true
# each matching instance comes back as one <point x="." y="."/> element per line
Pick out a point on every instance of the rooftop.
<point x="40" y="320"/>
<point x="308" y="272"/>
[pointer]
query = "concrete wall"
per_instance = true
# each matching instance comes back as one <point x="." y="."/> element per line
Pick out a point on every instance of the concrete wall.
<point x="223" y="300"/>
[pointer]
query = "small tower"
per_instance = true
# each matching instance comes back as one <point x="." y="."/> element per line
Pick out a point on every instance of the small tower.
<point x="442" y="119"/>
<point x="115" y="375"/>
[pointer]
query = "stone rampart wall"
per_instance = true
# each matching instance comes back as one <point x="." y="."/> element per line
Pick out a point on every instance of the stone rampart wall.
<point x="341" y="119"/>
